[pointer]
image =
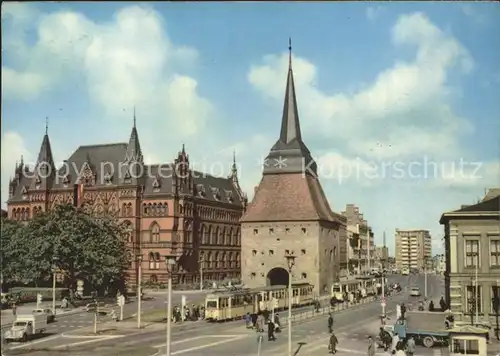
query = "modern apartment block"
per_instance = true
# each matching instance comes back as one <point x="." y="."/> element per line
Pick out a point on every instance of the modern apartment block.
<point x="413" y="249"/>
<point x="360" y="236"/>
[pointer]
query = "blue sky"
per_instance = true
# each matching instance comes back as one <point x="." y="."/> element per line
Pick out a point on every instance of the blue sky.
<point x="379" y="85"/>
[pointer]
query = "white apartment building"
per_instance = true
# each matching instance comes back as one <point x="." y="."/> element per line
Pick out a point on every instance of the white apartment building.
<point x="413" y="249"/>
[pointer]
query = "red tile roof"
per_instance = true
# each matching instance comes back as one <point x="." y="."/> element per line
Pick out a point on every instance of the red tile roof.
<point x="290" y="197"/>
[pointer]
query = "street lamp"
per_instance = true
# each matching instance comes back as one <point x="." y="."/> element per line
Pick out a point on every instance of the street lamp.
<point x="55" y="259"/>
<point x="201" y="260"/>
<point x="290" y="259"/>
<point x="138" y="260"/>
<point x="170" y="261"/>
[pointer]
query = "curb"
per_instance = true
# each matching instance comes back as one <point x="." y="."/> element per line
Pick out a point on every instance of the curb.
<point x="60" y="316"/>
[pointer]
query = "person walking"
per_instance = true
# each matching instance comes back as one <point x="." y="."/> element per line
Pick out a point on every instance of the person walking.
<point x="330" y="323"/>
<point x="332" y="346"/>
<point x="270" y="331"/>
<point x="410" y="346"/>
<point x="371" y="347"/>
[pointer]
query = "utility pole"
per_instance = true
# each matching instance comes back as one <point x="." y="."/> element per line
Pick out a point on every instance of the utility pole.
<point x="359" y="249"/>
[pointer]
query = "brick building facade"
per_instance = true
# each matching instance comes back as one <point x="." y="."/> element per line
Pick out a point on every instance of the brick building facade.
<point x="168" y="208"/>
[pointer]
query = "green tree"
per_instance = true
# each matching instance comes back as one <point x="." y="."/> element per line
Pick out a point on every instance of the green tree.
<point x="11" y="234"/>
<point x="87" y="247"/>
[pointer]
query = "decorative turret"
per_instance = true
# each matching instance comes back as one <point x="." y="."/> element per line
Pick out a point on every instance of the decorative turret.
<point x="133" y="164"/>
<point x="182" y="177"/>
<point x="234" y="179"/>
<point x="45" y="168"/>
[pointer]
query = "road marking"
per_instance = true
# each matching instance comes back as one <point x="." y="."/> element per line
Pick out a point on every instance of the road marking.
<point x="206" y="346"/>
<point x="99" y="339"/>
<point x="202" y="337"/>
<point x="35" y="342"/>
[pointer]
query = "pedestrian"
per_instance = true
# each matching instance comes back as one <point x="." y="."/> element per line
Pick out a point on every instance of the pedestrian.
<point x="14" y="309"/>
<point x="333" y="344"/>
<point x="330" y="323"/>
<point x="270" y="331"/>
<point x="371" y="347"/>
<point x="442" y="304"/>
<point x="277" y="323"/>
<point x="410" y="346"/>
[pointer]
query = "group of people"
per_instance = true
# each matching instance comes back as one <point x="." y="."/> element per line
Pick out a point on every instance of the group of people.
<point x="259" y="320"/>
<point x="194" y="313"/>
<point x="394" y="344"/>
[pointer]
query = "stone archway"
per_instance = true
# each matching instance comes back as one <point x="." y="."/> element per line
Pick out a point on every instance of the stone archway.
<point x="277" y="277"/>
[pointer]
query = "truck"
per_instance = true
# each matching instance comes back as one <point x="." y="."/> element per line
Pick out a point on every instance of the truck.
<point x="426" y="328"/>
<point x="25" y="327"/>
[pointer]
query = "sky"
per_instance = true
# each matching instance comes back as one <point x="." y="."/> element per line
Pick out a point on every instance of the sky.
<point x="398" y="102"/>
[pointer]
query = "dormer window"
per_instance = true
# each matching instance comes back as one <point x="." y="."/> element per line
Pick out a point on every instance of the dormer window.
<point x="108" y="178"/>
<point x="38" y="180"/>
<point x="66" y="179"/>
<point x="127" y="178"/>
<point x="24" y="192"/>
<point x="215" y="193"/>
<point x="229" y="196"/>
<point x="156" y="185"/>
<point x="200" y="188"/>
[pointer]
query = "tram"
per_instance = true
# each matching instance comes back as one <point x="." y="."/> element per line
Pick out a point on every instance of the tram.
<point x="348" y="286"/>
<point x="229" y="305"/>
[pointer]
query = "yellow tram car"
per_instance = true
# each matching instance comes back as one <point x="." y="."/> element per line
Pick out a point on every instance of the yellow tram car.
<point x="347" y="286"/>
<point x="228" y="305"/>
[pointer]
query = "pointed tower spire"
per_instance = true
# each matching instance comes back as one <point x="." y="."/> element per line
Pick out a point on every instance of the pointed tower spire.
<point x="46" y="125"/>
<point x="134" y="151"/>
<point x="45" y="166"/>
<point x="290" y="126"/>
<point x="290" y="154"/>
<point x="134" y="117"/>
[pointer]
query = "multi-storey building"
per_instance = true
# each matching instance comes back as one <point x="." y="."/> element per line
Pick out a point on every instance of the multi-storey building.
<point x="167" y="208"/>
<point x="472" y="255"/>
<point x="290" y="215"/>
<point x="360" y="247"/>
<point x="413" y="249"/>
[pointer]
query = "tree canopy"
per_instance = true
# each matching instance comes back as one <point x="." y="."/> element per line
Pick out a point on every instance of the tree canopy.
<point x="87" y="247"/>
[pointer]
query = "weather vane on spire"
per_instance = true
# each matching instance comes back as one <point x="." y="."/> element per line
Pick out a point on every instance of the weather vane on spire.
<point x="290" y="50"/>
<point x="134" y="117"/>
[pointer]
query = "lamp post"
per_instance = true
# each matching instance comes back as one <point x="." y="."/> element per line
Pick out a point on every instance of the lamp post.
<point x="425" y="277"/>
<point x="55" y="259"/>
<point x="170" y="261"/>
<point x="138" y="260"/>
<point x="200" y="262"/>
<point x="290" y="259"/>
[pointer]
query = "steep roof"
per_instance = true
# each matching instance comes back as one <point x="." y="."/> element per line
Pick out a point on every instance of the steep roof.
<point x="290" y="189"/>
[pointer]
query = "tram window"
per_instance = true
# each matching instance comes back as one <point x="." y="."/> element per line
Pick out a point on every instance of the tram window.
<point x="223" y="302"/>
<point x="212" y="304"/>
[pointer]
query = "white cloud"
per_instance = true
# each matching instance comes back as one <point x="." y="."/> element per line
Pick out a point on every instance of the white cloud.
<point x="13" y="147"/>
<point x="130" y="60"/>
<point x="404" y="112"/>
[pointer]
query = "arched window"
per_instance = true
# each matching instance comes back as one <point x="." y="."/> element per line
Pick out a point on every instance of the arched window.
<point x="220" y="238"/>
<point x="155" y="232"/>
<point x="215" y="233"/>
<point x="129" y="209"/>
<point x="151" y="260"/>
<point x="229" y="237"/>
<point x="216" y="260"/>
<point x="238" y="262"/>
<point x="231" y="260"/>
<point x="157" y="260"/>
<point x="237" y="237"/>
<point x="209" y="260"/>
<point x="128" y="231"/>
<point x="208" y="233"/>
<point x="124" y="209"/>
<point x="154" y="210"/>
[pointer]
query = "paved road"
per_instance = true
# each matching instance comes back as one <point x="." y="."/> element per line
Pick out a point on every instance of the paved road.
<point x="191" y="339"/>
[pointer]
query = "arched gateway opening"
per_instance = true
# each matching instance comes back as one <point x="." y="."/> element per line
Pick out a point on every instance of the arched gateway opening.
<point x="277" y="277"/>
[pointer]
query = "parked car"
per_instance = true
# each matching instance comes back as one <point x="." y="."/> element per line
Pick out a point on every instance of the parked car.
<point x="415" y="292"/>
<point x="47" y="312"/>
